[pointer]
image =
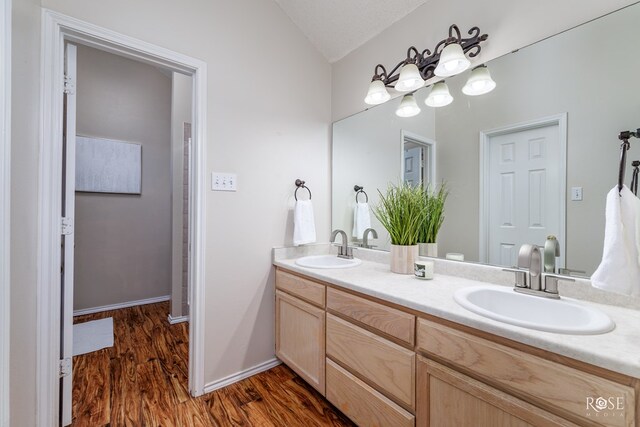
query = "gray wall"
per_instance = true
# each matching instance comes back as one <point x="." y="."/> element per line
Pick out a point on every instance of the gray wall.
<point x="123" y="242"/>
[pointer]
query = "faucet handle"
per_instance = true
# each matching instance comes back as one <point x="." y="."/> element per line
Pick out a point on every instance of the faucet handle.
<point x="551" y="282"/>
<point x="521" y="276"/>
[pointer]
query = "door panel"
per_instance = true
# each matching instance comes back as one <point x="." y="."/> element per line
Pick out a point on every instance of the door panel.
<point x="524" y="191"/>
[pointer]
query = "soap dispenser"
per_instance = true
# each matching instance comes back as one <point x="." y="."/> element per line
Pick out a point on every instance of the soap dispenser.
<point x="551" y="251"/>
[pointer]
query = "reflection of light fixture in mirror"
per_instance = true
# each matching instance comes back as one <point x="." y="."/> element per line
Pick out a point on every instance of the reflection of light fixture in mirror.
<point x="377" y="93"/>
<point x="439" y="95"/>
<point x="479" y="82"/>
<point x="410" y="79"/>
<point x="408" y="106"/>
<point x="448" y="58"/>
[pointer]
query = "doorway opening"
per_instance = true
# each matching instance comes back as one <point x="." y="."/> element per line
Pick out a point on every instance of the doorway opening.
<point x="58" y="155"/>
<point x="418" y="162"/>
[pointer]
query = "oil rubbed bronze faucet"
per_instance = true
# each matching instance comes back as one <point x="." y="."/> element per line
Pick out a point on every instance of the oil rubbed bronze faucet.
<point x="530" y="276"/>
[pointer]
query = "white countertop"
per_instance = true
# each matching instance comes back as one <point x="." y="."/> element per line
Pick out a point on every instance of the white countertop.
<point x="618" y="350"/>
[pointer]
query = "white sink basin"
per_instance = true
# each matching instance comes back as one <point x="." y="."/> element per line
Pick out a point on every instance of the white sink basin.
<point x="559" y="316"/>
<point x="327" y="261"/>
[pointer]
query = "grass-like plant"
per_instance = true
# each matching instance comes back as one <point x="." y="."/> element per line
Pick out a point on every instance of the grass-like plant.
<point x="402" y="212"/>
<point x="434" y="206"/>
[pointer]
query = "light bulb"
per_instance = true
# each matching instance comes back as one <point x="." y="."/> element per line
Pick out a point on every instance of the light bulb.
<point x="452" y="61"/>
<point x="377" y="93"/>
<point x="410" y="79"/>
<point x="439" y="95"/>
<point x="479" y="82"/>
<point x="408" y="107"/>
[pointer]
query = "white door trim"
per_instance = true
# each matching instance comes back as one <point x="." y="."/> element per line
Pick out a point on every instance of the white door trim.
<point x="405" y="134"/>
<point x="5" y="196"/>
<point x="561" y="121"/>
<point x="56" y="29"/>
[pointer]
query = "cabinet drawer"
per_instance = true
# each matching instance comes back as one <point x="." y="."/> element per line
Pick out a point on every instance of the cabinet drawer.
<point x="364" y="405"/>
<point x="394" y="322"/>
<point x="386" y="365"/>
<point x="306" y="289"/>
<point x="563" y="389"/>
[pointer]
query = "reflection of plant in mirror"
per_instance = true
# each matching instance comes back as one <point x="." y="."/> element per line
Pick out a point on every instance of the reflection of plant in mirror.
<point x="434" y="206"/>
<point x="402" y="212"/>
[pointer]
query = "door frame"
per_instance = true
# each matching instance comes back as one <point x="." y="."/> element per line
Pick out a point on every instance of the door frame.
<point x="561" y="121"/>
<point x="426" y="142"/>
<point x="5" y="200"/>
<point x="56" y="30"/>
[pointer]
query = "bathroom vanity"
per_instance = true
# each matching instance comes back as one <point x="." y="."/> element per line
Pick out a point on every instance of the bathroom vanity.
<point x="390" y="350"/>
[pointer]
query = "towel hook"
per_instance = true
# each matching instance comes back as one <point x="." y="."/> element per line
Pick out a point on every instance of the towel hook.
<point x="300" y="184"/>
<point x="634" y="179"/>
<point x="359" y="189"/>
<point x="624" y="136"/>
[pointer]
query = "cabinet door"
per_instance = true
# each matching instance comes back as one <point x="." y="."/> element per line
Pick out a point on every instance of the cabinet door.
<point x="448" y="398"/>
<point x="300" y="341"/>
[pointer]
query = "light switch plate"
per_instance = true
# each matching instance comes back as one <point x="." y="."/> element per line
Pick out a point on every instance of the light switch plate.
<point x="576" y="194"/>
<point x="224" y="181"/>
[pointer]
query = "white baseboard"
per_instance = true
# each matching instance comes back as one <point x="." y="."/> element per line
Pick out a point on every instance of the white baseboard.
<point x="179" y="319"/>
<point x="121" y="305"/>
<point x="223" y="382"/>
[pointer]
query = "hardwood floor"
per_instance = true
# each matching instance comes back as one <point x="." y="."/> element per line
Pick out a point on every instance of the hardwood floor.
<point x="142" y="381"/>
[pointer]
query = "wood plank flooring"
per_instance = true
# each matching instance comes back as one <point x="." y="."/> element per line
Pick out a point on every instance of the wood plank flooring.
<point x="143" y="381"/>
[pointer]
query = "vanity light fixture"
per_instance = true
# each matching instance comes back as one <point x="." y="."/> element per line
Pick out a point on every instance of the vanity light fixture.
<point x="408" y="106"/>
<point x="439" y="95"/>
<point x="449" y="55"/>
<point x="479" y="82"/>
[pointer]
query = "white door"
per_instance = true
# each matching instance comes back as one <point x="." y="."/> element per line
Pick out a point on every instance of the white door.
<point x="68" y="215"/>
<point x="525" y="191"/>
<point x="413" y="166"/>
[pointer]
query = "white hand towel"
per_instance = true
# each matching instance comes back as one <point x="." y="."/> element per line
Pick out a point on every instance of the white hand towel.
<point x="619" y="270"/>
<point x="361" y="219"/>
<point x="304" y="225"/>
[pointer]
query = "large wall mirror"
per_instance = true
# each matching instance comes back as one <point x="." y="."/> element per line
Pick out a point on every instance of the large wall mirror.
<point x="534" y="157"/>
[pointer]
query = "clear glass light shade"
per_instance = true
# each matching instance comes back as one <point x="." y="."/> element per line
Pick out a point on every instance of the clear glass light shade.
<point x="479" y="82"/>
<point x="377" y="93"/>
<point x="410" y="79"/>
<point x="439" y="95"/>
<point x="408" y="107"/>
<point x="452" y="61"/>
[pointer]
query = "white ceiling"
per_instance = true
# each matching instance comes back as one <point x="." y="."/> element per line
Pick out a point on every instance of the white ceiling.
<point x="336" y="27"/>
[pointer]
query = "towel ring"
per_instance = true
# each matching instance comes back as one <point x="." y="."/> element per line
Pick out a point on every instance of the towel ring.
<point x="300" y="184"/>
<point x="359" y="189"/>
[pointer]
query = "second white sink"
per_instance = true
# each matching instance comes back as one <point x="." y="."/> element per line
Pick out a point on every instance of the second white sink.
<point x="327" y="261"/>
<point x="559" y="316"/>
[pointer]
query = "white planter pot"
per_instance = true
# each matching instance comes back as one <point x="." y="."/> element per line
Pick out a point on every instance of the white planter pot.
<point x="402" y="258"/>
<point x="428" y="249"/>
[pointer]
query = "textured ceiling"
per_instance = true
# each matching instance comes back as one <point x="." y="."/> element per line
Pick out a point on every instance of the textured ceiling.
<point x="336" y="27"/>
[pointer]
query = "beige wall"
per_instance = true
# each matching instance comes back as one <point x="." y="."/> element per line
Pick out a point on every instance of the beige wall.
<point x="510" y="25"/>
<point x="123" y="242"/>
<point x="268" y="121"/>
<point x="25" y="110"/>
<point x="181" y="98"/>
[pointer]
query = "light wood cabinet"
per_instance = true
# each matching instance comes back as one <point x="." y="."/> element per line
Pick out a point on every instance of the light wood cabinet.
<point x="447" y="398"/>
<point x="386" y="365"/>
<point x="300" y="338"/>
<point x="361" y="402"/>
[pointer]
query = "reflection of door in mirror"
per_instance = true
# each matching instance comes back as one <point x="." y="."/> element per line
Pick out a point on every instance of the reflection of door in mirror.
<point x="525" y="194"/>
<point x="418" y="159"/>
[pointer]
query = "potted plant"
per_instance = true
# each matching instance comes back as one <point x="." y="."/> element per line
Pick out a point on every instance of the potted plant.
<point x="401" y="211"/>
<point x="434" y="206"/>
